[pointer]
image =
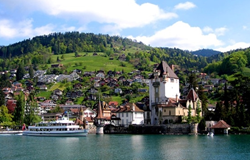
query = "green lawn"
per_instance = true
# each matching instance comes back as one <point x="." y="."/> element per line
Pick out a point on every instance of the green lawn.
<point x="44" y="94"/>
<point x="92" y="63"/>
<point x="60" y="85"/>
<point x="246" y="72"/>
<point x="117" y="99"/>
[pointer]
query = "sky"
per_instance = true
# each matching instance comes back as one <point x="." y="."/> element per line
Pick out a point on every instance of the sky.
<point x="221" y="25"/>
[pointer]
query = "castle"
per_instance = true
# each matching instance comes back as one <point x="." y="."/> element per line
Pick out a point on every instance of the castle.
<point x="164" y="97"/>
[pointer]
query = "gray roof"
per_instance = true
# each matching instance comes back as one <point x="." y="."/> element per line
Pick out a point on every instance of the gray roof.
<point x="163" y="67"/>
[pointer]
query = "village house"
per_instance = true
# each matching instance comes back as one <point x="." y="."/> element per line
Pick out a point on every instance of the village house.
<point x="118" y="90"/>
<point x="58" y="92"/>
<point x="129" y="114"/>
<point x="56" y="65"/>
<point x="46" y="106"/>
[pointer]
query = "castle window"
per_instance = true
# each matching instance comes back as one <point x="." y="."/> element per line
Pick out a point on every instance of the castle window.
<point x="156" y="90"/>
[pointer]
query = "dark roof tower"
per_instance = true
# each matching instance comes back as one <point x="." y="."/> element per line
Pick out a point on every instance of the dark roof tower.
<point x="192" y="95"/>
<point x="164" y="68"/>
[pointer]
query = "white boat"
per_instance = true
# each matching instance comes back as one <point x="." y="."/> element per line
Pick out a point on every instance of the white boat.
<point x="62" y="127"/>
<point x="211" y="134"/>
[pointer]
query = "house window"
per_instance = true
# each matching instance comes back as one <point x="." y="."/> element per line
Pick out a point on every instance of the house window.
<point x="170" y="113"/>
<point x="122" y="121"/>
<point x="122" y="114"/>
<point x="172" y="79"/>
<point x="126" y="121"/>
<point x="127" y="114"/>
<point x="164" y="110"/>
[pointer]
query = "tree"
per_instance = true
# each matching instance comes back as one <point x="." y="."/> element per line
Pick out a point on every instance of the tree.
<point x="203" y="98"/>
<point x="31" y="71"/>
<point x="62" y="57"/>
<point x="2" y="97"/>
<point x="19" y="110"/>
<point x="31" y="111"/>
<point x="20" y="72"/>
<point x="189" y="118"/>
<point x="219" y="111"/>
<point x="198" y="111"/>
<point x="76" y="54"/>
<point x="192" y="81"/>
<point x="57" y="109"/>
<point x="4" y="115"/>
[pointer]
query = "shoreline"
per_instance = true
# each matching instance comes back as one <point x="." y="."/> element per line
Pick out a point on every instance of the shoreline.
<point x="11" y="132"/>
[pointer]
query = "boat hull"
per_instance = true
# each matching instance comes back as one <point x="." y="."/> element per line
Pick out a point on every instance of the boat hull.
<point x="56" y="134"/>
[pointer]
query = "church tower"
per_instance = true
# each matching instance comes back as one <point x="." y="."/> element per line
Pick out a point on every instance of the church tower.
<point x="164" y="84"/>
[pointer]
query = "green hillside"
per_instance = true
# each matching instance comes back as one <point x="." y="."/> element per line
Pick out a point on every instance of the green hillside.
<point x="88" y="62"/>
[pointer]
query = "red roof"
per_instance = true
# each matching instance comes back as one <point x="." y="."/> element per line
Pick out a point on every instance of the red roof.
<point x="113" y="103"/>
<point x="192" y="95"/>
<point x="221" y="124"/>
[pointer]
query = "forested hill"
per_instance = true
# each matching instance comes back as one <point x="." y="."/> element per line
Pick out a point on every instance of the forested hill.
<point x="206" y="52"/>
<point x="61" y="43"/>
<point x="38" y="50"/>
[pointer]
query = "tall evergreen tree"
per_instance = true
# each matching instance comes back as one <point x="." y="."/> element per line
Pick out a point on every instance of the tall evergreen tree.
<point x="31" y="71"/>
<point x="20" y="72"/>
<point x="219" y="111"/>
<point x="19" y="110"/>
<point x="203" y="97"/>
<point x="189" y="118"/>
<point x="226" y="97"/>
<point x="2" y="97"/>
<point x="192" y="81"/>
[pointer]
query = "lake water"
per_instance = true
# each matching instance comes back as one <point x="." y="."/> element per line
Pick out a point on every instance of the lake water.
<point x="125" y="147"/>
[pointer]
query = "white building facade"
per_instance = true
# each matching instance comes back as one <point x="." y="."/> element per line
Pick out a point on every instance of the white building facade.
<point x="164" y="84"/>
<point x="129" y="114"/>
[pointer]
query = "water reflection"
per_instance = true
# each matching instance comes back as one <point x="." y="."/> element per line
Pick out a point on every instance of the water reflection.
<point x="124" y="147"/>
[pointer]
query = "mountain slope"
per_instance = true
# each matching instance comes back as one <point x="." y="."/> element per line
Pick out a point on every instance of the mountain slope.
<point x="206" y="52"/>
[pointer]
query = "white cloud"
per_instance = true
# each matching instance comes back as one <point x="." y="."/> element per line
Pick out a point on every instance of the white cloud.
<point x="24" y="29"/>
<point x="244" y="27"/>
<point x="121" y="14"/>
<point x="185" y="6"/>
<point x="207" y="30"/>
<point x="218" y="31"/>
<point x="238" y="45"/>
<point x="181" y="35"/>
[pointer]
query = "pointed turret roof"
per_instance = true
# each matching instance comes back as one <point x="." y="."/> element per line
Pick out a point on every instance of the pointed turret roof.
<point x="99" y="111"/>
<point x="164" y="68"/>
<point x="192" y="95"/>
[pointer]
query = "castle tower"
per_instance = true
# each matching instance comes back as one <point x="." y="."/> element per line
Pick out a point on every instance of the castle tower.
<point x="99" y="119"/>
<point x="164" y="84"/>
<point x="81" y="114"/>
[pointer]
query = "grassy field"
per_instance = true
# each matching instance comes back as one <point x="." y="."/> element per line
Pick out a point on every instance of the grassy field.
<point x="88" y="62"/>
<point x="246" y="72"/>
<point x="44" y="94"/>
